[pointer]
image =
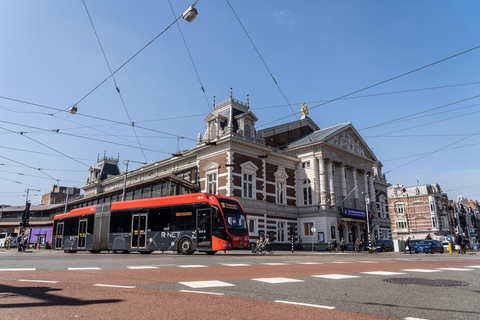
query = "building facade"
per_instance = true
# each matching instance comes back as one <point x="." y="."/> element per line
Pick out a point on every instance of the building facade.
<point x="318" y="182"/>
<point x="60" y="195"/>
<point x="419" y="211"/>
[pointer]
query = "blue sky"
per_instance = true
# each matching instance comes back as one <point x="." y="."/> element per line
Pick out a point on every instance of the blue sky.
<point x="316" y="51"/>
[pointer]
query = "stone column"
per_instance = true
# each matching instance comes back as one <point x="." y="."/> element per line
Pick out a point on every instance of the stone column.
<point x="344" y="182"/>
<point x="323" y="182"/>
<point x="330" y="181"/>
<point x="316" y="181"/>
<point x="356" y="203"/>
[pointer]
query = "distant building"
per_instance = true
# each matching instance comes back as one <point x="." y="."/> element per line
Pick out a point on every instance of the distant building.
<point x="61" y="195"/>
<point x="465" y="217"/>
<point x="419" y="211"/>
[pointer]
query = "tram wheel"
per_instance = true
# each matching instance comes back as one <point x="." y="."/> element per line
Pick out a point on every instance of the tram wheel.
<point x="210" y="253"/>
<point x="186" y="246"/>
<point x="146" y="252"/>
<point x="94" y="251"/>
<point x="70" y="251"/>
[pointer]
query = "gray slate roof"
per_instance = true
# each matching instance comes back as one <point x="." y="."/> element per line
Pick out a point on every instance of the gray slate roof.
<point x="317" y="136"/>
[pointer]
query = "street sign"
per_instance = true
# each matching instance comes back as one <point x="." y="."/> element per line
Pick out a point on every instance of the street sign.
<point x="448" y="238"/>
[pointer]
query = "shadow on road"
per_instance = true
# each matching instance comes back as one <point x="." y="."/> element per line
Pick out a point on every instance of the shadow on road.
<point x="42" y="293"/>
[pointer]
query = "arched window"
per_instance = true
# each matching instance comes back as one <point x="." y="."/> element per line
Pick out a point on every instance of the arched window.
<point x="307" y="192"/>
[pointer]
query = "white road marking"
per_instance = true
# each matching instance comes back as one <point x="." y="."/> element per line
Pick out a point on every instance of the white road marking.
<point x="367" y="261"/>
<point x="84" y="268"/>
<point x="42" y="281"/>
<point x="277" y="280"/>
<point x="335" y="276"/>
<point x="192" y="266"/>
<point x="236" y="264"/>
<point x="421" y="270"/>
<point x="456" y="269"/>
<point x="191" y="291"/>
<point x="113" y="286"/>
<point x="304" y="304"/>
<point x="339" y="262"/>
<point x="206" y="284"/>
<point x="309" y="263"/>
<point x="19" y="269"/>
<point x="472" y="267"/>
<point x="383" y="273"/>
<point x="142" y="267"/>
<point x="411" y="318"/>
<point x="275" y="264"/>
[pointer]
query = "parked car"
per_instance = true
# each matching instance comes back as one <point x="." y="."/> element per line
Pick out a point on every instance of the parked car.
<point x="445" y="245"/>
<point x="429" y="246"/>
<point x="382" y="245"/>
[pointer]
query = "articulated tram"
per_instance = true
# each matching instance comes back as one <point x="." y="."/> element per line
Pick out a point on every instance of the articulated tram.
<point x="184" y="223"/>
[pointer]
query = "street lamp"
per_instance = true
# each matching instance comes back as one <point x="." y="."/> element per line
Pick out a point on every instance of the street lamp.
<point x="190" y="14"/>
<point x="125" y="162"/>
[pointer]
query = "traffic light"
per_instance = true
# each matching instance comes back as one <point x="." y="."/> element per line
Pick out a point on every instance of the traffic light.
<point x="293" y="233"/>
<point x="26" y="215"/>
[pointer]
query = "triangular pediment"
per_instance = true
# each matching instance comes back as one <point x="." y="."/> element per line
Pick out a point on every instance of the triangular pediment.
<point x="249" y="165"/>
<point x="350" y="141"/>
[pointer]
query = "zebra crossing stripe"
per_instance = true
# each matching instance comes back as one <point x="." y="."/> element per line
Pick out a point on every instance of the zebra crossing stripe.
<point x="305" y="304"/>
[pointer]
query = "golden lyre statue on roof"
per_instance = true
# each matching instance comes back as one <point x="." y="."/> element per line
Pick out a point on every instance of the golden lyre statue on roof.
<point x="304" y="109"/>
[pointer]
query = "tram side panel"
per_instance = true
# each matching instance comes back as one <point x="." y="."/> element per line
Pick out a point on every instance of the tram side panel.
<point x="101" y="227"/>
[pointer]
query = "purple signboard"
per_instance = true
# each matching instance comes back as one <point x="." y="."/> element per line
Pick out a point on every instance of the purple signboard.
<point x="354" y="213"/>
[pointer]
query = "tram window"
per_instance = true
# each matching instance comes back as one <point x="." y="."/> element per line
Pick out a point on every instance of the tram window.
<point x="121" y="222"/>
<point x="71" y="227"/>
<point x="90" y="222"/>
<point x="159" y="219"/>
<point x="184" y="217"/>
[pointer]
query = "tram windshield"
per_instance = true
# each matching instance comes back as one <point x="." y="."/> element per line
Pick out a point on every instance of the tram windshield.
<point x="234" y="217"/>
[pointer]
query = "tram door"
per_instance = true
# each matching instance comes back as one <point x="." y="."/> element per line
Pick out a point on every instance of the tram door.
<point x="204" y="228"/>
<point x="139" y="231"/>
<point x="59" y="238"/>
<point x="82" y="234"/>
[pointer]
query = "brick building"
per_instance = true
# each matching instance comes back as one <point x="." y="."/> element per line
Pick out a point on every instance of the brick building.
<point x="419" y="211"/>
<point x="293" y="175"/>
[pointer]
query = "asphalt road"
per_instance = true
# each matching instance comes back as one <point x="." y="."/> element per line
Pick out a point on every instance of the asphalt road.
<point x="238" y="285"/>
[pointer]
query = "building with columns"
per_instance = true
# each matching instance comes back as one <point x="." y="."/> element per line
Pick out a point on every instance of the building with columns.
<point x="294" y="175"/>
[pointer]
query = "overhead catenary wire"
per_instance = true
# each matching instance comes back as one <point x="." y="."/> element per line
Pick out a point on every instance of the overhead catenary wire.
<point x="114" y="80"/>
<point x="435" y="151"/>
<point x="46" y="146"/>
<point x="263" y="61"/>
<point x="125" y="63"/>
<point x="424" y="124"/>
<point x="191" y="58"/>
<point x="375" y="94"/>
<point x="382" y="82"/>
<point x="73" y="135"/>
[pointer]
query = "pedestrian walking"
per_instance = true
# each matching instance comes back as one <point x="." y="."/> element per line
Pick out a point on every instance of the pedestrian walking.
<point x="8" y="242"/>
<point x="458" y="243"/>
<point x="358" y="245"/>
<point x="408" y="246"/>
<point x="463" y="245"/>
<point x="342" y="245"/>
